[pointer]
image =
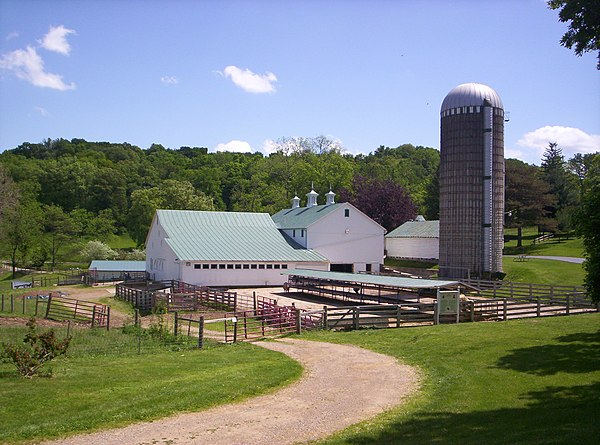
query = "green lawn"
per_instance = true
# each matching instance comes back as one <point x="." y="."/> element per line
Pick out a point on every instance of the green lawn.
<point x="533" y="381"/>
<point x="112" y="385"/>
<point x="554" y="247"/>
<point x="543" y="272"/>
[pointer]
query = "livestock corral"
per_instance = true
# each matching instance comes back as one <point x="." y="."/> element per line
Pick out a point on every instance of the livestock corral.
<point x="331" y="300"/>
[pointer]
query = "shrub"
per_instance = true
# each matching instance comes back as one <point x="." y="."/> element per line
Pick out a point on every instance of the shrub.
<point x="38" y="348"/>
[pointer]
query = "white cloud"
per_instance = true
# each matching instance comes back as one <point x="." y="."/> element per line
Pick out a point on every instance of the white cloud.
<point x="169" y="80"/>
<point x="249" y="81"/>
<point x="570" y="140"/>
<point x="269" y="146"/>
<point x="12" y="35"/>
<point x="235" y="146"/>
<point x="56" y="40"/>
<point x="28" y="65"/>
<point x="42" y="111"/>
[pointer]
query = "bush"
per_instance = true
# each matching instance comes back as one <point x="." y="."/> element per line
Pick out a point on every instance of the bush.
<point x="38" y="349"/>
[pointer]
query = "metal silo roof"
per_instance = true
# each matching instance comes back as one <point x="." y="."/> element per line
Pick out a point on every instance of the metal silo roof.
<point x="471" y="94"/>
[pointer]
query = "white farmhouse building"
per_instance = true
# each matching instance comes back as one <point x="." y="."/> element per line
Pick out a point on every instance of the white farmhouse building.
<point x="223" y="249"/>
<point x="418" y="239"/>
<point x="349" y="239"/>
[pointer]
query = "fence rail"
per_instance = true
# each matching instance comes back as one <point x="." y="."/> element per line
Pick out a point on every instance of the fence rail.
<point x="62" y="308"/>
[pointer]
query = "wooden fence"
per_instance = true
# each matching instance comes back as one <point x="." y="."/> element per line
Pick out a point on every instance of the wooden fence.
<point x="62" y="308"/>
<point x="29" y="304"/>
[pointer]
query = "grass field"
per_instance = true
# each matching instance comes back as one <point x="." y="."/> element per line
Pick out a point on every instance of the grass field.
<point x="533" y="381"/>
<point x="115" y="386"/>
<point x="554" y="247"/>
<point x="543" y="272"/>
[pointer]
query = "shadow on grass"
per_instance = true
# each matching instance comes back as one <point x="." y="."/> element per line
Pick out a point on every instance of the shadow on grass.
<point x="556" y="415"/>
<point x="579" y="353"/>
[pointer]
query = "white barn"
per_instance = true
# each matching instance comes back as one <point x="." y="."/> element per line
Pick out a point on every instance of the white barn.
<point x="418" y="239"/>
<point x="223" y="249"/>
<point x="349" y="239"/>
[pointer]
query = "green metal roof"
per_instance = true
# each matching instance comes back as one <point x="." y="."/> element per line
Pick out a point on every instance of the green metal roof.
<point x="118" y="266"/>
<point x="302" y="217"/>
<point x="416" y="229"/>
<point x="381" y="280"/>
<point x="229" y="236"/>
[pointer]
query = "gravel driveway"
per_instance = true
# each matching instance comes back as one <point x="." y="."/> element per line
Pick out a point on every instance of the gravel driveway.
<point x="341" y="385"/>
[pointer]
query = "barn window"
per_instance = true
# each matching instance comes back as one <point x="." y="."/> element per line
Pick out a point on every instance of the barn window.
<point x="230" y="266"/>
<point x="261" y="266"/>
<point x="205" y="266"/>
<point x="246" y="266"/>
<point x="284" y="266"/>
<point x="221" y="266"/>
<point x="347" y="213"/>
<point x="252" y="266"/>
<point x="197" y="266"/>
<point x="238" y="266"/>
<point x="213" y="266"/>
<point x="269" y="266"/>
<point x="294" y="233"/>
<point x="302" y="234"/>
<point x="276" y="266"/>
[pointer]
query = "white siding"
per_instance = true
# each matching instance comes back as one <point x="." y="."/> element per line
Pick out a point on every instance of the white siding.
<point x="161" y="263"/>
<point x="419" y="248"/>
<point x="232" y="276"/>
<point x="355" y="239"/>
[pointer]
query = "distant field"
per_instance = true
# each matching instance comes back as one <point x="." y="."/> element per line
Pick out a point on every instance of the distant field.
<point x="543" y="272"/>
<point x="533" y="381"/>
<point x="554" y="247"/>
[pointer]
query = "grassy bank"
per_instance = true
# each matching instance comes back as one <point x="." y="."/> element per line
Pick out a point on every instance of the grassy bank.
<point x="101" y="390"/>
<point x="543" y="272"/>
<point x="518" y="382"/>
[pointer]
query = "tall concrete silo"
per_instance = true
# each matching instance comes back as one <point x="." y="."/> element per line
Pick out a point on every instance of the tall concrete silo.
<point x="471" y="182"/>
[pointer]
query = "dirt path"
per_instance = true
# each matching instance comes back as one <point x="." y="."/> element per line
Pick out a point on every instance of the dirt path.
<point x="341" y="385"/>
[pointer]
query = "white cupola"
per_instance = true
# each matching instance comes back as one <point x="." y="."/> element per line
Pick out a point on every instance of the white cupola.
<point x="311" y="198"/>
<point x="295" y="202"/>
<point x="330" y="198"/>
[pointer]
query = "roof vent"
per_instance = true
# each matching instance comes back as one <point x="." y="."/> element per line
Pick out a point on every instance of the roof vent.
<point x="330" y="198"/>
<point x="420" y="218"/>
<point x="311" y="198"/>
<point x="295" y="202"/>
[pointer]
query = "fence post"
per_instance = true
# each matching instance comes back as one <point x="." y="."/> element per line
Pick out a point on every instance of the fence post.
<point x="235" y="329"/>
<point x="254" y="301"/>
<point x="538" y="313"/>
<point x="355" y="317"/>
<point x="398" y="315"/>
<point x="12" y="303"/>
<point x="568" y="304"/>
<point x="472" y="310"/>
<point x="326" y="323"/>
<point x="176" y="324"/>
<point x="505" y="309"/>
<point x="298" y="322"/>
<point x="136" y="319"/>
<point x="108" y="318"/>
<point x="49" y="304"/>
<point x="436" y="315"/>
<point x="93" y="315"/>
<point x="23" y="301"/>
<point x="200" y="332"/>
<point x="37" y="301"/>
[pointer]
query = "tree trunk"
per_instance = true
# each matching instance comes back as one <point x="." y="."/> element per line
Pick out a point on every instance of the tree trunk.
<point x="519" y="236"/>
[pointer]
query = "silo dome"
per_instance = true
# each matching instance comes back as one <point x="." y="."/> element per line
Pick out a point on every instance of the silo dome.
<point x="470" y="94"/>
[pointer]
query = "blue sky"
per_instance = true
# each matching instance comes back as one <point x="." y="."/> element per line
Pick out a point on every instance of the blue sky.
<point x="239" y="75"/>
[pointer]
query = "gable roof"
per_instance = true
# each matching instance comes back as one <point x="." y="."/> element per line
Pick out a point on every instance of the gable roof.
<point x="118" y="265"/>
<point x="302" y="217"/>
<point x="416" y="229"/>
<point x="228" y="236"/>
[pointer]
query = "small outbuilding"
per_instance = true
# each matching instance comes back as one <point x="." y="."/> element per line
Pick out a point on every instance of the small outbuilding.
<point x="109" y="270"/>
<point x="418" y="239"/>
